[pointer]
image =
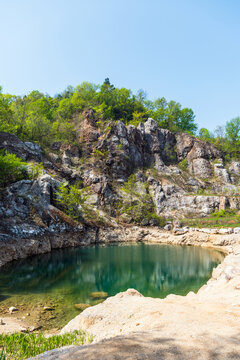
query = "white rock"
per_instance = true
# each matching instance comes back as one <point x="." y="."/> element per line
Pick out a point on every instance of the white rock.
<point x="12" y="309"/>
<point x="225" y="231"/>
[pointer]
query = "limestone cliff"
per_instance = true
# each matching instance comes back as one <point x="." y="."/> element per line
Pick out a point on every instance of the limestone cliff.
<point x="182" y="176"/>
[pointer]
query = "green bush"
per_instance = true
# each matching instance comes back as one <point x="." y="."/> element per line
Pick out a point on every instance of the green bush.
<point x="160" y="221"/>
<point x="23" y="346"/>
<point x="220" y="213"/>
<point x="100" y="154"/>
<point x="223" y="213"/>
<point x="34" y="171"/>
<point x="13" y="169"/>
<point x="72" y="198"/>
<point x="183" y="164"/>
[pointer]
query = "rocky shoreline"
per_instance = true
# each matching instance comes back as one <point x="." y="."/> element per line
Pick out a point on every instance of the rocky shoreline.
<point x="197" y="326"/>
<point x="125" y="319"/>
<point x="16" y="249"/>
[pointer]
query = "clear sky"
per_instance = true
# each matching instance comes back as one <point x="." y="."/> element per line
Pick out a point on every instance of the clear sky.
<point x="184" y="50"/>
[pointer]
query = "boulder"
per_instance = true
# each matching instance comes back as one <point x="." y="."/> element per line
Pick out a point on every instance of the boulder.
<point x="26" y="151"/>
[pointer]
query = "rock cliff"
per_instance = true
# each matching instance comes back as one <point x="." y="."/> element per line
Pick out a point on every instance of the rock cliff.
<point x="181" y="175"/>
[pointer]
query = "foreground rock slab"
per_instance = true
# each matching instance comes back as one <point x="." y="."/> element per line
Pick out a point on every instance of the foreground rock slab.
<point x="148" y="345"/>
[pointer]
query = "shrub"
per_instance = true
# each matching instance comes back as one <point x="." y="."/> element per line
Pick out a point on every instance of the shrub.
<point x="223" y="213"/>
<point x="34" y="171"/>
<point x="12" y="169"/>
<point x="220" y="213"/>
<point x="100" y="154"/>
<point x="160" y="221"/>
<point x="183" y="164"/>
<point x="72" y="198"/>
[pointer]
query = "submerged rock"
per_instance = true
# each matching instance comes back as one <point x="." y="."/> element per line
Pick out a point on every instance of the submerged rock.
<point x="81" y="307"/>
<point x="98" y="295"/>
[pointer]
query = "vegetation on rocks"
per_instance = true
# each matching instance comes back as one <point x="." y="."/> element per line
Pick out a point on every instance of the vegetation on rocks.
<point x="72" y="198"/>
<point x="110" y="155"/>
<point x="137" y="203"/>
<point x="41" y="118"/>
<point x="14" y="169"/>
<point x="220" y="219"/>
<point x="44" y="119"/>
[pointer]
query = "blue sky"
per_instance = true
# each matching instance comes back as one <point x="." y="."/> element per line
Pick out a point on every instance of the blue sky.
<point x="184" y="50"/>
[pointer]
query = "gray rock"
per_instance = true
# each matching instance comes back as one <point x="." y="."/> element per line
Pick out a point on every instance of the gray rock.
<point x="168" y="227"/>
<point x="221" y="173"/>
<point x="177" y="224"/>
<point x="26" y="151"/>
<point x="235" y="168"/>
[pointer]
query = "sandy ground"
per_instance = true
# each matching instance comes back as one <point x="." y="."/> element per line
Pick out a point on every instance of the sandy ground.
<point x="10" y="325"/>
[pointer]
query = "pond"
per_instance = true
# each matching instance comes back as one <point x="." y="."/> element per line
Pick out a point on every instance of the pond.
<point x="71" y="276"/>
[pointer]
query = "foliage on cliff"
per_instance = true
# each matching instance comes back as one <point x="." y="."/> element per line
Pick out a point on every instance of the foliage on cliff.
<point x="225" y="138"/>
<point x="14" y="169"/>
<point x="137" y="203"/>
<point x="72" y="198"/>
<point x="41" y="118"/>
<point x="44" y="119"/>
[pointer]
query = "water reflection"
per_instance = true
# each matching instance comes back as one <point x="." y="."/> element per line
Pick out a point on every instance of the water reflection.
<point x="154" y="270"/>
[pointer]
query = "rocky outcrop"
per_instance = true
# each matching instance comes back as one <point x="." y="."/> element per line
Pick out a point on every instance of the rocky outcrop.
<point x="13" y="248"/>
<point x="126" y="149"/>
<point x="24" y="150"/>
<point x="182" y="175"/>
<point x="16" y="249"/>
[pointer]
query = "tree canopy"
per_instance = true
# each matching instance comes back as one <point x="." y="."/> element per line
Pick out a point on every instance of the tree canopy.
<point x="42" y="118"/>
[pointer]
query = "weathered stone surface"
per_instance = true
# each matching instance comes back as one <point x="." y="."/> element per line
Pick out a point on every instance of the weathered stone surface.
<point x="28" y="207"/>
<point x="222" y="173"/>
<point x="235" y="167"/>
<point x="26" y="151"/>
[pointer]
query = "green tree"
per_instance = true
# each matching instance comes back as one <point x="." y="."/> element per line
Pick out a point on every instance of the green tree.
<point x="205" y="135"/>
<point x="13" y="169"/>
<point x="171" y="116"/>
<point x="233" y="130"/>
<point x="186" y="121"/>
<point x="73" y="199"/>
<point x="85" y="95"/>
<point x="6" y="113"/>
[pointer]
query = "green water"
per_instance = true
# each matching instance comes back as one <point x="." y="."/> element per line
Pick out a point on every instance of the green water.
<point x="66" y="277"/>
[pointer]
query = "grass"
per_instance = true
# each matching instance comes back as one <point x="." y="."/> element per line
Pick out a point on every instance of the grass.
<point x="2" y="355"/>
<point x="220" y="219"/>
<point x="22" y="346"/>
